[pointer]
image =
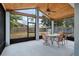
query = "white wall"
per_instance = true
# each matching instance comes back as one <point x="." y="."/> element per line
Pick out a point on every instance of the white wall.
<point x="76" y="30"/>
<point x="37" y="24"/>
<point x="7" y="28"/>
<point x="72" y="4"/>
<point x="52" y="27"/>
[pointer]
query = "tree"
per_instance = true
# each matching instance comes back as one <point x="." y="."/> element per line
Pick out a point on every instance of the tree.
<point x="58" y="23"/>
<point x="14" y="20"/>
<point x="45" y="21"/>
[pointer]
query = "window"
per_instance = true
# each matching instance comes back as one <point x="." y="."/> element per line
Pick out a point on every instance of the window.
<point x="22" y="27"/>
<point x="44" y="24"/>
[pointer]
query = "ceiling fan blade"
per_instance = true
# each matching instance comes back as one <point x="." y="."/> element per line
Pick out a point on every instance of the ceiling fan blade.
<point x="52" y="11"/>
<point x="48" y="10"/>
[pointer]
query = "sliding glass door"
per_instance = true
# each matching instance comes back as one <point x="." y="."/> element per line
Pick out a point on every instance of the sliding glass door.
<point x="22" y="27"/>
<point x="31" y="27"/>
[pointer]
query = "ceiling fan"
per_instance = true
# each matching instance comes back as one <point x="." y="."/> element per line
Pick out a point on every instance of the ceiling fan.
<point x="48" y="9"/>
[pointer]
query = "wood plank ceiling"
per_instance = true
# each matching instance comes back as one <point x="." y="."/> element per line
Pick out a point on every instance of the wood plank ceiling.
<point x="62" y="10"/>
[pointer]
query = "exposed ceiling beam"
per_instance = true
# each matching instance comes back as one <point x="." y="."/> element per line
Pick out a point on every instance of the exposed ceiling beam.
<point x="24" y="14"/>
